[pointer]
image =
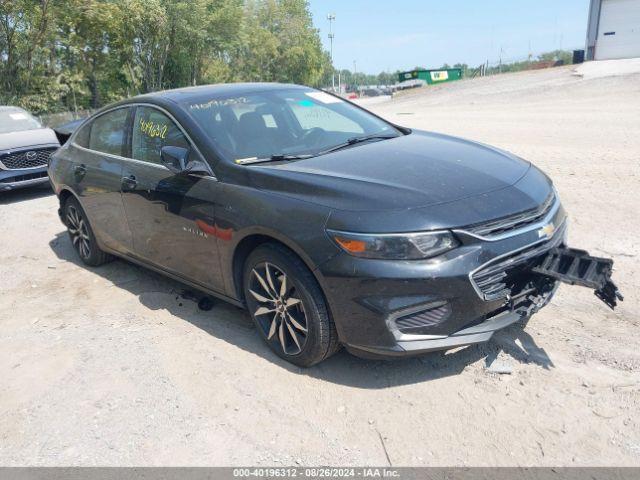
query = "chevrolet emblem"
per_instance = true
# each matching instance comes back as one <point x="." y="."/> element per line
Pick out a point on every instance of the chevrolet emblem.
<point x="547" y="231"/>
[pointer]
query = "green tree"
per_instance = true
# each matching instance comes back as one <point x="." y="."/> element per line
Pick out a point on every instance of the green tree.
<point x="26" y="37"/>
<point x="74" y="54"/>
<point x="280" y="43"/>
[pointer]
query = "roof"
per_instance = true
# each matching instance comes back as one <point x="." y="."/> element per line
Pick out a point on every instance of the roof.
<point x="208" y="91"/>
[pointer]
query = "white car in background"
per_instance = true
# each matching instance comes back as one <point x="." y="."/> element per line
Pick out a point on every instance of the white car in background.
<point x="25" y="148"/>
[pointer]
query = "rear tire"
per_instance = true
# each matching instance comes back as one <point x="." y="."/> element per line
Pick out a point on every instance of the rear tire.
<point x="288" y="306"/>
<point x="82" y="236"/>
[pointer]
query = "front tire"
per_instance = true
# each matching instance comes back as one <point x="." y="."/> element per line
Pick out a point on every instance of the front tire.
<point x="288" y="307"/>
<point x="81" y="235"/>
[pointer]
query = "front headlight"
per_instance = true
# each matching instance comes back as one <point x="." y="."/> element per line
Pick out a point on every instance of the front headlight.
<point x="394" y="246"/>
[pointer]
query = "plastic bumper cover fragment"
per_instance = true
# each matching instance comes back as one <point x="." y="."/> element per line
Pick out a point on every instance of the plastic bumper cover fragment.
<point x="577" y="267"/>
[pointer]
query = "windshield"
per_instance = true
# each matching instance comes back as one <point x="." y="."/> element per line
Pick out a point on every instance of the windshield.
<point x="287" y="122"/>
<point x="16" y="120"/>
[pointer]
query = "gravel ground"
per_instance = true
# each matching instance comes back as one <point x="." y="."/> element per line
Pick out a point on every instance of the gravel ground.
<point x="111" y="366"/>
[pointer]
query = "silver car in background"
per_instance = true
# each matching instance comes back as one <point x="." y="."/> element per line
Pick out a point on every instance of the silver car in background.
<point x="25" y="148"/>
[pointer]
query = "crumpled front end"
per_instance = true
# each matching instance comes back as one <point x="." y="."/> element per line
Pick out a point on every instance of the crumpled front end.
<point x="500" y="274"/>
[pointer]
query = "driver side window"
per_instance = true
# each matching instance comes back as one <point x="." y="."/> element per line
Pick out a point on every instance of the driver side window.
<point x="153" y="130"/>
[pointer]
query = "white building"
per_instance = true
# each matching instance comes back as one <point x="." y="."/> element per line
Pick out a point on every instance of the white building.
<point x="613" y="30"/>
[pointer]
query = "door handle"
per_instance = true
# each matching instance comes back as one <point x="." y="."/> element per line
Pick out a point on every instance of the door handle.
<point x="129" y="183"/>
<point x="80" y="170"/>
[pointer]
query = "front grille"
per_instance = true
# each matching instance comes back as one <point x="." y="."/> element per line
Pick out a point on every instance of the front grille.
<point x="513" y="222"/>
<point x="499" y="279"/>
<point x="423" y="319"/>
<point x="24" y="178"/>
<point x="26" y="159"/>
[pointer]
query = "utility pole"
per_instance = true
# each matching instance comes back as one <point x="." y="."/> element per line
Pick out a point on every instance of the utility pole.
<point x="354" y="73"/>
<point x="331" y="17"/>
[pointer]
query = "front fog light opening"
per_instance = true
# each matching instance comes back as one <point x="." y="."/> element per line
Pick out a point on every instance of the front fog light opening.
<point x="418" y="322"/>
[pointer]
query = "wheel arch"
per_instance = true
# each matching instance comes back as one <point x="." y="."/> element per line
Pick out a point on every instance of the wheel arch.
<point x="252" y="240"/>
<point x="64" y="194"/>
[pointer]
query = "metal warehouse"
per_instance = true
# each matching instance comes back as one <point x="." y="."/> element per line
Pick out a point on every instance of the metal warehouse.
<point x="613" y="30"/>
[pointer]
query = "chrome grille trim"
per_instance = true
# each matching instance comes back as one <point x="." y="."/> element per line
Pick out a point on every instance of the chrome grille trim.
<point x="515" y="224"/>
<point x="487" y="279"/>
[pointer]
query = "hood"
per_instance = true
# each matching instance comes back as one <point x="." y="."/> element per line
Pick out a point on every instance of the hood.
<point x="27" y="138"/>
<point x="411" y="171"/>
<point x="528" y="193"/>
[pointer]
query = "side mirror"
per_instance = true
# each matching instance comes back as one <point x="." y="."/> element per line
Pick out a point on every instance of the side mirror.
<point x="176" y="159"/>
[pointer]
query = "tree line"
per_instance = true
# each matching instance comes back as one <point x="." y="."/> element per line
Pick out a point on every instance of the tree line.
<point x="58" y="55"/>
<point x="69" y="55"/>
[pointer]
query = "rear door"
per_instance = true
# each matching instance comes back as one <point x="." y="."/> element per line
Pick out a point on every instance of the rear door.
<point x="172" y="217"/>
<point x="97" y="155"/>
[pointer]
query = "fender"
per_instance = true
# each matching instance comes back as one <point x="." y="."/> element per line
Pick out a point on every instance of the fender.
<point x="61" y="193"/>
<point x="238" y="237"/>
<point x="61" y="196"/>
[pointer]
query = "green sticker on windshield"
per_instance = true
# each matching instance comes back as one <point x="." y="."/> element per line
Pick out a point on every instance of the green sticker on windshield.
<point x="306" y="103"/>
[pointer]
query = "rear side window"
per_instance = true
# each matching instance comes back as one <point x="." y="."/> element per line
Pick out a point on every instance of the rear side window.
<point x="108" y="132"/>
<point x="82" y="137"/>
<point x="153" y="130"/>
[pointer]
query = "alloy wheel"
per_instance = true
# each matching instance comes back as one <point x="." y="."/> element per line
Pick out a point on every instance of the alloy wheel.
<point x="277" y="308"/>
<point x="77" y="227"/>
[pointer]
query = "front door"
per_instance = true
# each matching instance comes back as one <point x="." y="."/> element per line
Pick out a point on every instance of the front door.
<point x="172" y="217"/>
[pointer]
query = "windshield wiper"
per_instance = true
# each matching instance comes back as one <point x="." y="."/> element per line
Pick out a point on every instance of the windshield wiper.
<point x="272" y="158"/>
<point x="277" y="158"/>
<point x="356" y="140"/>
<point x="285" y="157"/>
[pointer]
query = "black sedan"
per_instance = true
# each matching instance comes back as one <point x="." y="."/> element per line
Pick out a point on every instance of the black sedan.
<point x="25" y="148"/>
<point x="329" y="224"/>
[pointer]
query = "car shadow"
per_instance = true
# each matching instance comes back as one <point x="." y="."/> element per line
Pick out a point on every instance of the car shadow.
<point x="234" y="325"/>
<point x="28" y="193"/>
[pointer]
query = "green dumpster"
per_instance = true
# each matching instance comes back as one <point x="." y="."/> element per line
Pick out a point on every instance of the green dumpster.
<point x="432" y="76"/>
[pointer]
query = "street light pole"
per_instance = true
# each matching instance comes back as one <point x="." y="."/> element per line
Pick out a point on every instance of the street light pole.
<point x="354" y="74"/>
<point x="331" y="17"/>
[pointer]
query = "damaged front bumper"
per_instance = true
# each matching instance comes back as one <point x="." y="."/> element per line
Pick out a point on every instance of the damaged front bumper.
<point x="558" y="265"/>
<point x="577" y="267"/>
<point x="518" y="309"/>
<point x="400" y="308"/>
